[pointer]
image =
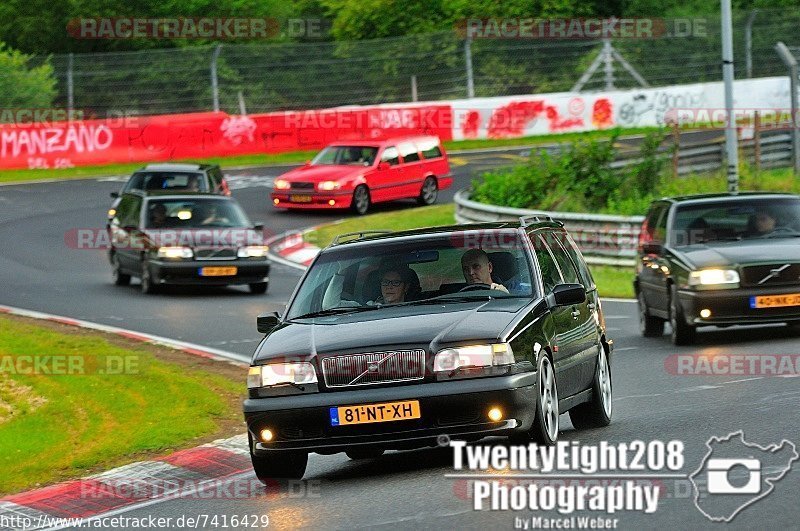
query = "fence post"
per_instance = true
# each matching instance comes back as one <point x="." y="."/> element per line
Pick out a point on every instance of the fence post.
<point x="748" y="42"/>
<point x="214" y="82"/>
<point x="757" y="141"/>
<point x="70" y="84"/>
<point x="468" y="60"/>
<point x="413" y="88"/>
<point x="608" y="64"/>
<point x="676" y="145"/>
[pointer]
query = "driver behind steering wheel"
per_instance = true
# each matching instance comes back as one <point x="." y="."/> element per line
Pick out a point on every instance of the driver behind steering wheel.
<point x="477" y="269"/>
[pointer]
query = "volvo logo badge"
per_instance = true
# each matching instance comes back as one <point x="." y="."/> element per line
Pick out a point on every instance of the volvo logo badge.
<point x="773" y="273"/>
<point x="372" y="367"/>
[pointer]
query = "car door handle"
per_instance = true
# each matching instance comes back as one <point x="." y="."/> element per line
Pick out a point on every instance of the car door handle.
<point x="575" y="314"/>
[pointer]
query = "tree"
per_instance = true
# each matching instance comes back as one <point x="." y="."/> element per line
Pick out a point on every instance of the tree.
<point x="23" y="85"/>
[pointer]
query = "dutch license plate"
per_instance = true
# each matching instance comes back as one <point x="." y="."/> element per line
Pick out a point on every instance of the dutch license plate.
<point x="369" y="413"/>
<point x="217" y="271"/>
<point x="300" y="198"/>
<point x="775" y="301"/>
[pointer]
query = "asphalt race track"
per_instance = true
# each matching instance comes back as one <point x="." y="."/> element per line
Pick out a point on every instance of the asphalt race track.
<point x="39" y="271"/>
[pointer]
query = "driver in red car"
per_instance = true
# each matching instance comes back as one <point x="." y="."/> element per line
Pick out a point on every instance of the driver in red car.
<point x="477" y="269"/>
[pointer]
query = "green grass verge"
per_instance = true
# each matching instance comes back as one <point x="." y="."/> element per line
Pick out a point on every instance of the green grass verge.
<point x="294" y="156"/>
<point x="147" y="401"/>
<point x="611" y="281"/>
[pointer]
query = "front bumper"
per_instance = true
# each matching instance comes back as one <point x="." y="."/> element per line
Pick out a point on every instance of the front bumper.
<point x="455" y="408"/>
<point x="188" y="272"/>
<point x="732" y="306"/>
<point x="319" y="200"/>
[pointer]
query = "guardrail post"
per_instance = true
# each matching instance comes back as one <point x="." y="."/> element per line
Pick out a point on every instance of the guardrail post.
<point x="676" y="146"/>
<point x="413" y="88"/>
<point x="757" y="141"/>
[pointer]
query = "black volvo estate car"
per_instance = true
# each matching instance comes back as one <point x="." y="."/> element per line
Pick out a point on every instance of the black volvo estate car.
<point x="719" y="260"/>
<point x="393" y="340"/>
<point x="186" y="239"/>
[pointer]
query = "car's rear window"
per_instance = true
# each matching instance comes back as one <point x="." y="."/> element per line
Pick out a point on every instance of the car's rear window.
<point x="174" y="181"/>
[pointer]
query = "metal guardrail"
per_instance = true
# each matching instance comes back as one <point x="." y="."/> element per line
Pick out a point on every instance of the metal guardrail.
<point x="603" y="239"/>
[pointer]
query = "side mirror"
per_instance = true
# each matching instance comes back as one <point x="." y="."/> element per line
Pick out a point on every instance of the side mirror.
<point x="384" y="165"/>
<point x="259" y="227"/>
<point x="114" y="195"/>
<point x="308" y="163"/>
<point x="652" y="248"/>
<point x="569" y="294"/>
<point x="267" y="322"/>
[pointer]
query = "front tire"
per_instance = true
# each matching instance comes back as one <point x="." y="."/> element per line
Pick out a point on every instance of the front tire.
<point x="544" y="430"/>
<point x="148" y="287"/>
<point x="119" y="278"/>
<point x="682" y="333"/>
<point x="279" y="465"/>
<point x="258" y="288"/>
<point x="361" y="200"/>
<point x="429" y="192"/>
<point x="597" y="412"/>
<point x="649" y="326"/>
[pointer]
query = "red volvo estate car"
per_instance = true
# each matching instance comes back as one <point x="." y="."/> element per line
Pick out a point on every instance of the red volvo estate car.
<point x="358" y="173"/>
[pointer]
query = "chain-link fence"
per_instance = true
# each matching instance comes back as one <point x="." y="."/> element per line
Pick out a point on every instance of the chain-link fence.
<point x="436" y="66"/>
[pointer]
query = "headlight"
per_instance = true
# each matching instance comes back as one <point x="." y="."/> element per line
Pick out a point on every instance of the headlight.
<point x="473" y="356"/>
<point x="329" y="185"/>
<point x="281" y="184"/>
<point x="175" y="252"/>
<point x="112" y="212"/>
<point x="722" y="278"/>
<point x="252" y="251"/>
<point x="281" y="373"/>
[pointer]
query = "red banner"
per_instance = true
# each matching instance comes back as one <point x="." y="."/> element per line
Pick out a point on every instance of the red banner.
<point x="186" y="136"/>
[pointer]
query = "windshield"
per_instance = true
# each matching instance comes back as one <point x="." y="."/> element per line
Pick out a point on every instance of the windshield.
<point x="346" y="155"/>
<point x="356" y="278"/>
<point x="177" y="181"/>
<point x="195" y="213"/>
<point x="736" y="220"/>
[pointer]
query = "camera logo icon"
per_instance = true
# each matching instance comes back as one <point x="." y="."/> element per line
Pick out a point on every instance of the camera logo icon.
<point x="735" y="474"/>
<point x="722" y="474"/>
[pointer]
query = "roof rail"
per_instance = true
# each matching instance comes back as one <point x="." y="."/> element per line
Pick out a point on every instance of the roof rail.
<point x="358" y="235"/>
<point x="536" y="218"/>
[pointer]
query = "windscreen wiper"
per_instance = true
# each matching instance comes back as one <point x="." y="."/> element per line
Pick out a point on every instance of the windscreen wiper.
<point x="338" y="310"/>
<point x="452" y="298"/>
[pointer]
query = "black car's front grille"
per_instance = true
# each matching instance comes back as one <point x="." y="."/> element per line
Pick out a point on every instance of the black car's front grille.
<point x="374" y="368"/>
<point x="771" y="275"/>
<point x="302" y="186"/>
<point x="220" y="253"/>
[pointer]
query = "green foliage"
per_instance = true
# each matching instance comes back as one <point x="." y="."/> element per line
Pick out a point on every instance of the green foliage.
<point x="579" y="179"/>
<point x="23" y="85"/>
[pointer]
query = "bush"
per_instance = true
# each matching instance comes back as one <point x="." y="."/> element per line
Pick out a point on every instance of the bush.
<point x="22" y="85"/>
<point x="579" y="179"/>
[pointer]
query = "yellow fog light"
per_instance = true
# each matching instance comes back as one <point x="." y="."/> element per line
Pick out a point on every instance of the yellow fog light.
<point x="495" y="414"/>
<point x="705" y="313"/>
<point x="112" y="212"/>
<point x="266" y="435"/>
<point x="331" y="202"/>
<point x="276" y="201"/>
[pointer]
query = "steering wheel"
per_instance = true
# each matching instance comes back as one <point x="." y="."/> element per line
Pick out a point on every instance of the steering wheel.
<point x="475" y="287"/>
